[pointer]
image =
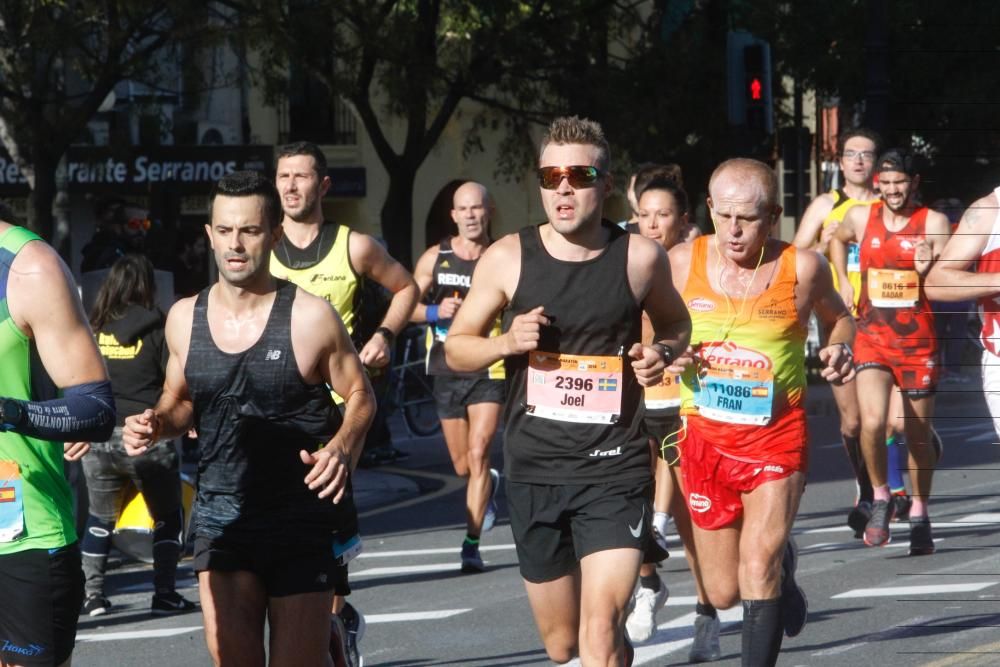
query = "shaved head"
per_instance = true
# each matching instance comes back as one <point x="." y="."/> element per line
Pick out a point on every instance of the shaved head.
<point x="472" y="189"/>
<point x="744" y="169"/>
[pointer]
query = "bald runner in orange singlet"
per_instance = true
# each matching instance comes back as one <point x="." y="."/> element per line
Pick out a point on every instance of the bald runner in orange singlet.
<point x="743" y="456"/>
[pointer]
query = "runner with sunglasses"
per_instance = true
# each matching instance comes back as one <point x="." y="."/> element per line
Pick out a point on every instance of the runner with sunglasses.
<point x="744" y="451"/>
<point x="572" y="292"/>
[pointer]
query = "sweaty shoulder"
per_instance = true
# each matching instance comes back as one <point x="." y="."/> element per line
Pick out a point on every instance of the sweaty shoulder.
<point x="808" y="263"/>
<point x="500" y="266"/>
<point x="39" y="281"/>
<point x="311" y="311"/>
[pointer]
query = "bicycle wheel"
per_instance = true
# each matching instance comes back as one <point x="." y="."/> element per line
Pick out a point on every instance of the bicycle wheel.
<point x="419" y="411"/>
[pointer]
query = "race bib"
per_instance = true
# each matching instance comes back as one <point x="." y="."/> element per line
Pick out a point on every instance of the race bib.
<point x="893" y="288"/>
<point x="441" y="330"/>
<point x="11" y="502"/>
<point x="665" y="395"/>
<point x="735" y="394"/>
<point x="853" y="258"/>
<point x="572" y="388"/>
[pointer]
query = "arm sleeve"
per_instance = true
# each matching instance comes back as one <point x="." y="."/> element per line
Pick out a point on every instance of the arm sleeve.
<point x="85" y="412"/>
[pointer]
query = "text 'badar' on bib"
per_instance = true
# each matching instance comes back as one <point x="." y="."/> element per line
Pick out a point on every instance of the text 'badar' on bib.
<point x="893" y="288"/>
<point x="573" y="388"/>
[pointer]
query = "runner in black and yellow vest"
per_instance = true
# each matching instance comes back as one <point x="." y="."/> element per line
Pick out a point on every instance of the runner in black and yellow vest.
<point x="467" y="403"/>
<point x="858" y="149"/>
<point x="329" y="260"/>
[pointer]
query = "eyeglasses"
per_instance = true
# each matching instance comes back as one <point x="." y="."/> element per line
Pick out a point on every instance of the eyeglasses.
<point x="579" y="177"/>
<point x="866" y="156"/>
<point x="139" y="224"/>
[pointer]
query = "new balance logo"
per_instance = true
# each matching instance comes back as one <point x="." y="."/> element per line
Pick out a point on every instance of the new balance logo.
<point x="272" y="355"/>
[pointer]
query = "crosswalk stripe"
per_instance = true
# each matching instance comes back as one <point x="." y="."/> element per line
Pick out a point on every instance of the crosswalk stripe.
<point x="414" y="616"/>
<point x="431" y="552"/>
<point x="933" y="589"/>
<point x="138" y="634"/>
<point x="405" y="569"/>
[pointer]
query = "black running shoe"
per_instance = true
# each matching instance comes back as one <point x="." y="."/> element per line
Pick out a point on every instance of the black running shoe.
<point x="901" y="506"/>
<point x="96" y="605"/>
<point x="858" y="517"/>
<point x="354" y="625"/>
<point x="921" y="538"/>
<point x="472" y="562"/>
<point x="794" y="605"/>
<point x="166" y="604"/>
<point x="877" y="531"/>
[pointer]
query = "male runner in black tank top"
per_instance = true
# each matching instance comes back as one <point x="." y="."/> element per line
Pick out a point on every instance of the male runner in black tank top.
<point x="467" y="403"/>
<point x="251" y="362"/>
<point x="579" y="484"/>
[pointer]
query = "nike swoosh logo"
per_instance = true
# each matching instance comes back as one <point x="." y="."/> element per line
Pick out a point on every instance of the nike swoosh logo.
<point x="637" y="531"/>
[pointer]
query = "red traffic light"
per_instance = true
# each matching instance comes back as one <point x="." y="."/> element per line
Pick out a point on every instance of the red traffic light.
<point x="756" y="89"/>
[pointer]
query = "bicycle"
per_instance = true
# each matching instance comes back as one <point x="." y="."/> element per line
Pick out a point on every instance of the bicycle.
<point x="408" y="388"/>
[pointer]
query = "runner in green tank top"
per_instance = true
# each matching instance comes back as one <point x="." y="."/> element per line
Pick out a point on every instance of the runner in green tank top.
<point x="42" y="319"/>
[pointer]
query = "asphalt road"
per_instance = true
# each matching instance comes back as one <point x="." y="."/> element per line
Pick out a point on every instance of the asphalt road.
<point x="867" y="606"/>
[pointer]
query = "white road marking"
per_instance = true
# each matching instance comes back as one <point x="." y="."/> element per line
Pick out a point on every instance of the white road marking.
<point x="139" y="634"/>
<point x="414" y="616"/>
<point x="405" y="569"/>
<point x="933" y="589"/>
<point x="431" y="552"/>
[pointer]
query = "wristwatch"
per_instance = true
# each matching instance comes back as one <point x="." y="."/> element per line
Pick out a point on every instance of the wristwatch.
<point x="387" y="334"/>
<point x="11" y="414"/>
<point x="666" y="352"/>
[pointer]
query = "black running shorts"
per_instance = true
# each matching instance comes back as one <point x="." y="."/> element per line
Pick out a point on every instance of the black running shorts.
<point x="283" y="569"/>
<point x="42" y="592"/>
<point x="453" y="394"/>
<point x="556" y="525"/>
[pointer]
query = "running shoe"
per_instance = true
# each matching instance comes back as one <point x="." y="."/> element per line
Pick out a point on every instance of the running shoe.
<point x="490" y="518"/>
<point x="858" y="517"/>
<point x="166" y="604"/>
<point x="900" y="506"/>
<point x="921" y="538"/>
<point x="641" y="623"/>
<point x="877" y="531"/>
<point x="705" y="647"/>
<point x="794" y="606"/>
<point x="472" y="562"/>
<point x="354" y="624"/>
<point x="96" y="605"/>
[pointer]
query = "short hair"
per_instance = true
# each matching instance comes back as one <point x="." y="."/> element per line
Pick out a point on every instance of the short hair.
<point x="769" y="192"/>
<point x="305" y="148"/>
<point x="249" y="184"/>
<point x="648" y="172"/>
<point x="666" y="185"/>
<point x="864" y="132"/>
<point x="897" y="159"/>
<point x="576" y="130"/>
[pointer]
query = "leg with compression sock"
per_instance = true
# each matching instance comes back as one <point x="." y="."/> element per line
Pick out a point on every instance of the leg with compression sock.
<point x="852" y="445"/>
<point x="762" y="632"/>
<point x="95" y="546"/>
<point x="166" y="551"/>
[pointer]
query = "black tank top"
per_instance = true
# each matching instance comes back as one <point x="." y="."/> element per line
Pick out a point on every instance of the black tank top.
<point x="592" y="312"/>
<point x="254" y="412"/>
<point x="452" y="277"/>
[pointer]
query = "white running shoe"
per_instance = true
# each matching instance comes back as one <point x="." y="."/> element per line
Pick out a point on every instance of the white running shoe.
<point x="641" y="623"/>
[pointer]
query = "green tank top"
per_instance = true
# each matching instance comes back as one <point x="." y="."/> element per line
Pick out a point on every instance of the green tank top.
<point x="31" y="470"/>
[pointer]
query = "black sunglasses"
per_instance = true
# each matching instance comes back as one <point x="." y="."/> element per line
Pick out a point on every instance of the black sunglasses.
<point x="579" y="177"/>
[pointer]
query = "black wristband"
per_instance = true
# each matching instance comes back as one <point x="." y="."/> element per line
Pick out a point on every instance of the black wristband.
<point x="666" y="352"/>
<point x="11" y="414"/>
<point x="387" y="334"/>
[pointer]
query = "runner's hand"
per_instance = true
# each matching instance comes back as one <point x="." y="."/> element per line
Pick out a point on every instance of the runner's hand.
<point x="838" y="364"/>
<point x="923" y="257"/>
<point x="74" y="451"/>
<point x="375" y="353"/>
<point x="682" y="361"/>
<point x="448" y="307"/>
<point x="328" y="476"/>
<point x="525" y="331"/>
<point x="647" y="364"/>
<point x="140" y="431"/>
<point x="825" y="235"/>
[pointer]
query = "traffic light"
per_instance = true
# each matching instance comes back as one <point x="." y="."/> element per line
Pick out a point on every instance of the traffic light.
<point x="749" y="83"/>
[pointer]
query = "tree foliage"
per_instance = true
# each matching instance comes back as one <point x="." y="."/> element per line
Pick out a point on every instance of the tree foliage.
<point x="58" y="62"/>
